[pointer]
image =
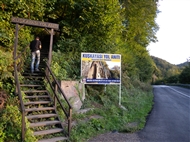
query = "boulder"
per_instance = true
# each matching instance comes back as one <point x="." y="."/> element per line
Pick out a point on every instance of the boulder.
<point x="74" y="93"/>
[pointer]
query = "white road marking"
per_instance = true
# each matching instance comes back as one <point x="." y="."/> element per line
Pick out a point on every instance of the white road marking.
<point x="180" y="92"/>
<point x="172" y="89"/>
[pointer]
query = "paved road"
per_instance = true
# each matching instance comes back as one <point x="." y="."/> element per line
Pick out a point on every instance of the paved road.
<point x="169" y="120"/>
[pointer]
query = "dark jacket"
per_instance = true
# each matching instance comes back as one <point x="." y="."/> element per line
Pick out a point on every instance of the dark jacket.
<point x="35" y="45"/>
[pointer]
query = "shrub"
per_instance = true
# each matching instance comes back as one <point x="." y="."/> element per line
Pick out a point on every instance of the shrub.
<point x="11" y="123"/>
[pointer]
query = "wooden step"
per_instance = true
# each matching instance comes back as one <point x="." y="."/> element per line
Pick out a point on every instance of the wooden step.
<point x="39" y="96"/>
<point x="37" y="102"/>
<point x="35" y="91"/>
<point x="41" y="116"/>
<point x="53" y="139"/>
<point x="33" y="74"/>
<point x="44" y="123"/>
<point x="45" y="132"/>
<point x="30" y="85"/>
<point x="33" y="82"/>
<point x="39" y="109"/>
<point x="36" y="77"/>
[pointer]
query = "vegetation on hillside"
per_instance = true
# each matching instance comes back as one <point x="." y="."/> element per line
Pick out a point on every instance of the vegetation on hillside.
<point x="184" y="76"/>
<point x="169" y="73"/>
<point x="111" y="26"/>
<point x="124" y="27"/>
<point x="166" y="69"/>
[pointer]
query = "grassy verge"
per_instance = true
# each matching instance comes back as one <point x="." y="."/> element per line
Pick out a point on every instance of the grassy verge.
<point x="107" y="115"/>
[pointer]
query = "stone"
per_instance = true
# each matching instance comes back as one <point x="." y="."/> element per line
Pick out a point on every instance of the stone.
<point x="74" y="93"/>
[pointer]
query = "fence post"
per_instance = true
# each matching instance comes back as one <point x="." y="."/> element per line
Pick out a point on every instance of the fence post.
<point x="55" y="100"/>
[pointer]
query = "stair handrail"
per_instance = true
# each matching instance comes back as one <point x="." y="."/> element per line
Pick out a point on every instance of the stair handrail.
<point x="21" y="101"/>
<point x="18" y="92"/>
<point x="21" y="53"/>
<point x="68" y="114"/>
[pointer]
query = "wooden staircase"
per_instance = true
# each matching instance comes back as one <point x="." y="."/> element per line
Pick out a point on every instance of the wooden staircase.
<point x="40" y="109"/>
<point x="37" y="104"/>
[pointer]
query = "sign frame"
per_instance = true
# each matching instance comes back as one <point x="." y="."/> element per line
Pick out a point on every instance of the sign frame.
<point x="90" y="57"/>
<point x="105" y="64"/>
<point x="35" y="23"/>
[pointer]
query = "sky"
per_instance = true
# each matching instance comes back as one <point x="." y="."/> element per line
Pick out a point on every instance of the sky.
<point x="174" y="34"/>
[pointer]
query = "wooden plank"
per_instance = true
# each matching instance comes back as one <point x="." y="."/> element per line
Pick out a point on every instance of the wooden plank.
<point x="32" y="81"/>
<point x="44" y="123"/>
<point x="34" y="74"/>
<point x="30" y="85"/>
<point x="39" y="109"/>
<point x="53" y="139"/>
<point x="45" y="132"/>
<point x="33" y="77"/>
<point x="39" y="96"/>
<point x="34" y="23"/>
<point x="41" y="116"/>
<point x="37" y="102"/>
<point x="35" y="91"/>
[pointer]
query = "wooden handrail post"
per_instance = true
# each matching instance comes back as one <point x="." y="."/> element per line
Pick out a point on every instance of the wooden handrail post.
<point x="15" y="51"/>
<point x="69" y="121"/>
<point x="50" y="47"/>
<point x="55" y="100"/>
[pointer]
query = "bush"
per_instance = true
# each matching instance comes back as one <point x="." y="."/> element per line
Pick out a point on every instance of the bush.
<point x="6" y="71"/>
<point x="11" y="123"/>
<point x="66" y="66"/>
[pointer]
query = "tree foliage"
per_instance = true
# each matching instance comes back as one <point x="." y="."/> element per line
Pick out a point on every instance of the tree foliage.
<point x="124" y="27"/>
<point x="140" y="28"/>
<point x="88" y="26"/>
<point x="184" y="77"/>
<point x="6" y="69"/>
<point x="166" y="69"/>
<point x="169" y="73"/>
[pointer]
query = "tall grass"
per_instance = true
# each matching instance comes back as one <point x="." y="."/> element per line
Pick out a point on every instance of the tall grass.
<point x="136" y="104"/>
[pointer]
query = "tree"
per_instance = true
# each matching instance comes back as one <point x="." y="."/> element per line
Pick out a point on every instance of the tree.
<point x="88" y="26"/>
<point x="184" y="77"/>
<point x="140" y="29"/>
<point x="125" y="27"/>
<point x="35" y="10"/>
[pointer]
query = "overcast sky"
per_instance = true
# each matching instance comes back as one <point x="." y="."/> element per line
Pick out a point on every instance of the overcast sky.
<point x="174" y="34"/>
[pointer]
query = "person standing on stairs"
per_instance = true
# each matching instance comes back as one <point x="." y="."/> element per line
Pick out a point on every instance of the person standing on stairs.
<point x="35" y="47"/>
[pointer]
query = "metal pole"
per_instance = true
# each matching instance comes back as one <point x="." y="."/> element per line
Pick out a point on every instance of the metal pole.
<point x="119" y="94"/>
<point x="83" y="90"/>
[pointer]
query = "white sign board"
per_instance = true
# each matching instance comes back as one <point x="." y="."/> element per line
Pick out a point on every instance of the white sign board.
<point x="100" y="68"/>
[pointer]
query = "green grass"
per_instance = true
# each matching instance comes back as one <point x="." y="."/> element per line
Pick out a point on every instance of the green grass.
<point x="136" y="101"/>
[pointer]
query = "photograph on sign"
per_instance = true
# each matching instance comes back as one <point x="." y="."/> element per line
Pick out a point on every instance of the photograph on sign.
<point x="100" y="68"/>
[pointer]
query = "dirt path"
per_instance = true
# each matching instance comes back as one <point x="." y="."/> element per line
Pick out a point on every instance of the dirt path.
<point x="116" y="137"/>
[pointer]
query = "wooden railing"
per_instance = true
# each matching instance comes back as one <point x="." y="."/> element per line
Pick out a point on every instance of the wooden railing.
<point x="56" y="88"/>
<point x="18" y="90"/>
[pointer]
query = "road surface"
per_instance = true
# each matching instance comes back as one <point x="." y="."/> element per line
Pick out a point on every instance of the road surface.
<point x="169" y="120"/>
